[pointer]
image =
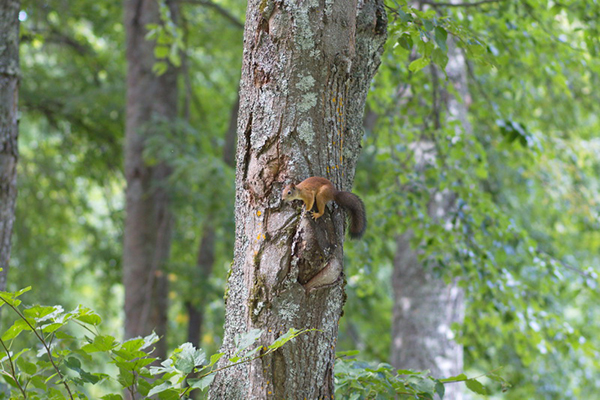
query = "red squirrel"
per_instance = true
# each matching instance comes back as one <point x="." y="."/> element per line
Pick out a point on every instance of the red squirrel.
<point x="322" y="191"/>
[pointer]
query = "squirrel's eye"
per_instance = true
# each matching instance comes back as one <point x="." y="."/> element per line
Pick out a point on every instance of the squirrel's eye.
<point x="289" y="192"/>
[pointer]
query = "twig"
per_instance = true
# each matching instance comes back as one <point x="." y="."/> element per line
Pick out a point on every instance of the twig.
<point x="12" y="368"/>
<point x="475" y="4"/>
<point x="568" y="266"/>
<point x="221" y="10"/>
<point x="41" y="339"/>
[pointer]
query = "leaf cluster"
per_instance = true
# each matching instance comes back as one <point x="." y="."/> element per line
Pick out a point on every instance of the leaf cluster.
<point x="360" y="380"/>
<point x="58" y="369"/>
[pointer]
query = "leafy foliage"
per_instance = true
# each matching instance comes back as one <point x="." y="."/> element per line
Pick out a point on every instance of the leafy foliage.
<point x="520" y="234"/>
<point x="360" y="380"/>
<point x="59" y="368"/>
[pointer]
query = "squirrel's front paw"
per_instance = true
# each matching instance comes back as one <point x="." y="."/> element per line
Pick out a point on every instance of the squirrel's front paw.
<point x="315" y="215"/>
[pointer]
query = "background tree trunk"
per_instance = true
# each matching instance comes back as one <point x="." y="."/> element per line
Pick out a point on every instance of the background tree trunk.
<point x="306" y="72"/>
<point x="9" y="130"/>
<point x="148" y="221"/>
<point x="424" y="306"/>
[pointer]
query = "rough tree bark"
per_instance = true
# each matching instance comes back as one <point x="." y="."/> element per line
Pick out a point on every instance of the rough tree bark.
<point x="424" y="306"/>
<point x="306" y="71"/>
<point x="147" y="237"/>
<point x="9" y="130"/>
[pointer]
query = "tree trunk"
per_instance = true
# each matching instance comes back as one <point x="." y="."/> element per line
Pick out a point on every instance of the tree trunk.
<point x="425" y="307"/>
<point x="9" y="129"/>
<point x="205" y="263"/>
<point x="306" y="71"/>
<point x="148" y="221"/>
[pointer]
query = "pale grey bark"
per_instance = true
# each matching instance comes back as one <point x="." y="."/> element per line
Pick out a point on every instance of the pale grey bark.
<point x="148" y="221"/>
<point x="306" y="71"/>
<point x="9" y="130"/>
<point x="425" y="306"/>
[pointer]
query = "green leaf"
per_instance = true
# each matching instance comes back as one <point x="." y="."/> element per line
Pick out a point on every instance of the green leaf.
<point x="214" y="358"/>
<point x="408" y="372"/>
<point x="174" y="56"/>
<point x="167" y="367"/>
<point x="11" y="297"/>
<point x="428" y="25"/>
<point x="112" y="397"/>
<point x="49" y="328"/>
<point x="17" y="327"/>
<point x="476" y="386"/>
<point x="87" y="316"/>
<point x="404" y="17"/>
<point x="441" y="36"/>
<point x="38" y="312"/>
<point x="457" y="378"/>
<point x="9" y="379"/>
<point x="406" y="41"/>
<point x="289" y="335"/>
<point x="161" y="52"/>
<point x="245" y="340"/>
<point x="104" y="342"/>
<point x="439" y="58"/>
<point x="63" y="335"/>
<point x="421" y="383"/>
<point x="348" y="353"/>
<point x="187" y="358"/>
<point x="418" y="64"/>
<point x="171" y="394"/>
<point x="26" y="366"/>
<point x="203" y="382"/>
<point x="160" y="67"/>
<point x="73" y="363"/>
<point x="440" y="389"/>
<point x="160" y="388"/>
<point x="38" y="382"/>
<point x="125" y="377"/>
<point x="149" y="340"/>
<point x="88" y="377"/>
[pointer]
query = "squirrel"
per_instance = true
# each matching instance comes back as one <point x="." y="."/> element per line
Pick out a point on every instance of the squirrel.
<point x="321" y="191"/>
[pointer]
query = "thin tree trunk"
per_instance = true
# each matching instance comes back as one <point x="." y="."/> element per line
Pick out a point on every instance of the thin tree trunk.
<point x="306" y="71"/>
<point x="206" y="249"/>
<point x="205" y="263"/>
<point x="148" y="221"/>
<point x="425" y="307"/>
<point x="9" y="129"/>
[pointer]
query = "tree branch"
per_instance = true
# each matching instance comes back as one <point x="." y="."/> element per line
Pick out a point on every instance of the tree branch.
<point x="221" y="10"/>
<point x="475" y="4"/>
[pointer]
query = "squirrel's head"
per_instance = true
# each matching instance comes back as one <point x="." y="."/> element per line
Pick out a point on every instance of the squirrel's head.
<point x="289" y="192"/>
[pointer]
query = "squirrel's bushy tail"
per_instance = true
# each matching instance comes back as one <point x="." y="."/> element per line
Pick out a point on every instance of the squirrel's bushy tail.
<point x="356" y="208"/>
